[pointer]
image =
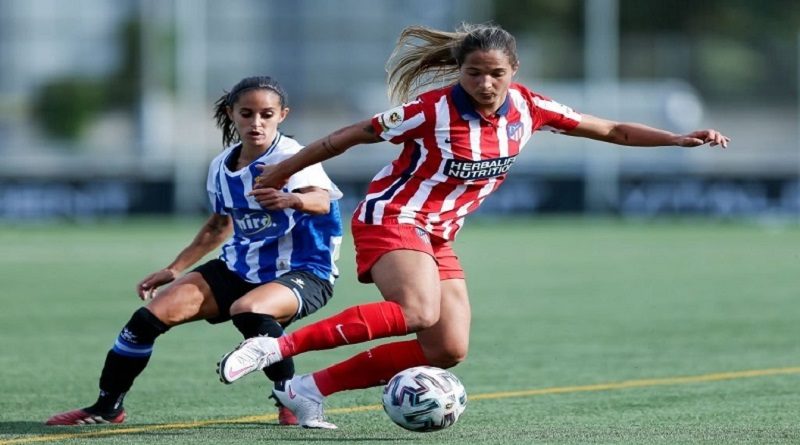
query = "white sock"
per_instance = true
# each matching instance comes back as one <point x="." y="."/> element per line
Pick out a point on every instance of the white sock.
<point x="305" y="385"/>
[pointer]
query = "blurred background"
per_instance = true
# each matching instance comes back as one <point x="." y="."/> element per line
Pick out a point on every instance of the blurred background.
<point x="106" y="106"/>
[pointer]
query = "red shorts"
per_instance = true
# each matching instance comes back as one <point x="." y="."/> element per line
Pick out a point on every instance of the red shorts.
<point x="372" y="241"/>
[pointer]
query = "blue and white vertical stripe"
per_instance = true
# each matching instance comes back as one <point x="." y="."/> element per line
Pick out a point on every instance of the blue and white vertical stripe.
<point x="267" y="244"/>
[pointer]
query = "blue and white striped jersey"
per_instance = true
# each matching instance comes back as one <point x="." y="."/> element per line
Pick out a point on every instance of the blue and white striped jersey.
<point x="267" y="244"/>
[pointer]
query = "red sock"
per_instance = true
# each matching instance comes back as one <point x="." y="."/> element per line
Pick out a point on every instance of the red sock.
<point x="353" y="325"/>
<point x="370" y="368"/>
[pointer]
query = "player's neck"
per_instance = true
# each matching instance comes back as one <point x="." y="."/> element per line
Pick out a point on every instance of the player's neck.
<point x="488" y="111"/>
<point x="250" y="152"/>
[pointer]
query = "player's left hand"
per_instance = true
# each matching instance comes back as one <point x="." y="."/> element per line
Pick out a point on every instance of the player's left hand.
<point x="700" y="137"/>
<point x="269" y="178"/>
<point x="272" y="199"/>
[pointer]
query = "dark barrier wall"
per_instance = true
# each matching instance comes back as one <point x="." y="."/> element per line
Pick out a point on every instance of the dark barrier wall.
<point x="662" y="196"/>
<point x="31" y="200"/>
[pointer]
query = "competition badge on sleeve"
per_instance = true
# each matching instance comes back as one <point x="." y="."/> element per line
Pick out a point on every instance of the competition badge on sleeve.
<point x="391" y="119"/>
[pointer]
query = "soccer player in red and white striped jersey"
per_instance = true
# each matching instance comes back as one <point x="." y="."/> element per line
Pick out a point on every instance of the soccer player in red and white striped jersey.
<point x="459" y="142"/>
<point x="453" y="156"/>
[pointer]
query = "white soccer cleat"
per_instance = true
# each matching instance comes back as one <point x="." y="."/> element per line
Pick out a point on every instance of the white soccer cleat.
<point x="309" y="412"/>
<point x="251" y="355"/>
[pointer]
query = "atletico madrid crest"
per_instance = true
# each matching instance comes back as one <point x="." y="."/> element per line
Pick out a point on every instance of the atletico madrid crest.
<point x="514" y="131"/>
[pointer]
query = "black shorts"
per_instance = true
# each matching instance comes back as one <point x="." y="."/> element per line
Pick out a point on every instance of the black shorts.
<point x="312" y="293"/>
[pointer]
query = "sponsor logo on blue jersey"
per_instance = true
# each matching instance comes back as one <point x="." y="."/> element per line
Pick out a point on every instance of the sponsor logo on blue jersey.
<point x="252" y="223"/>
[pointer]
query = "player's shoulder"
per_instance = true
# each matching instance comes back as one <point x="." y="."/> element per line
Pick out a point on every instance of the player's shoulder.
<point x="539" y="102"/>
<point x="287" y="145"/>
<point x="284" y="147"/>
<point x="526" y="92"/>
<point x="221" y="156"/>
<point x="433" y="96"/>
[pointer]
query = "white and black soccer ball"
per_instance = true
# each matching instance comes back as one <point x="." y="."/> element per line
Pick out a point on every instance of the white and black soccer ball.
<point x="424" y="399"/>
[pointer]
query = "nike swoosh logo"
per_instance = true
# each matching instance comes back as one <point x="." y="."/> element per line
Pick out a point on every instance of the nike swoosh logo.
<point x="238" y="372"/>
<point x="341" y="332"/>
<point x="291" y="393"/>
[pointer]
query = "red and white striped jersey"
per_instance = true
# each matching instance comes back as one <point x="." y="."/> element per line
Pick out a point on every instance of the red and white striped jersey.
<point x="452" y="157"/>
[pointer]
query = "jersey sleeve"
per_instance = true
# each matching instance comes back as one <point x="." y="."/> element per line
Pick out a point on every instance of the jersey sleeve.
<point x="550" y="115"/>
<point x="212" y="188"/>
<point x="314" y="176"/>
<point x="400" y="123"/>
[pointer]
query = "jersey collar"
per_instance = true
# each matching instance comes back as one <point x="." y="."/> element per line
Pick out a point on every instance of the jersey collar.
<point x="230" y="161"/>
<point x="467" y="110"/>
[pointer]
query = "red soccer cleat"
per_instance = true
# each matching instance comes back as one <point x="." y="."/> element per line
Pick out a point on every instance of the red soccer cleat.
<point x="83" y="417"/>
<point x="286" y="416"/>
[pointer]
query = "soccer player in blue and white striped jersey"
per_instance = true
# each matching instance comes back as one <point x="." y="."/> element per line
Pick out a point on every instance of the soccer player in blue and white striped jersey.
<point x="276" y="264"/>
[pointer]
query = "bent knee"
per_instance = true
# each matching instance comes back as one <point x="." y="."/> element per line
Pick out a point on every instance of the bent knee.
<point x="169" y="316"/>
<point x="420" y="317"/>
<point x="242" y="306"/>
<point x="447" y="357"/>
<point x="178" y="306"/>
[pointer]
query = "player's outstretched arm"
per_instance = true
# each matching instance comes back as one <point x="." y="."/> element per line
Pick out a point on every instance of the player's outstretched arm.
<point x="313" y="200"/>
<point x="334" y="144"/>
<point x="213" y="232"/>
<point x="639" y="135"/>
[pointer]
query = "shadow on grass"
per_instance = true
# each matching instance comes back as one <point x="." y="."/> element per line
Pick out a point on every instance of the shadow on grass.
<point x="27" y="427"/>
<point x="245" y="432"/>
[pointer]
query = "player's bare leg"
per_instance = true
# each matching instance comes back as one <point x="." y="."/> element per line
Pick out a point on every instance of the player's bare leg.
<point x="443" y="345"/>
<point x="409" y="283"/>
<point x="187" y="299"/>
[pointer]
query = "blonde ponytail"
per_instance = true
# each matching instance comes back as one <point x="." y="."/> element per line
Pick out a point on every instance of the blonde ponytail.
<point x="421" y="57"/>
<point x="425" y="57"/>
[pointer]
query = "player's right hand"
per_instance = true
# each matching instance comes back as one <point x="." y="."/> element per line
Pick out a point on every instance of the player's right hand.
<point x="146" y="289"/>
<point x="700" y="137"/>
<point x="269" y="178"/>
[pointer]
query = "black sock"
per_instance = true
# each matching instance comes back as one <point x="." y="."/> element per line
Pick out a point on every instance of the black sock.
<point x="107" y="403"/>
<point x="127" y="359"/>
<point x="252" y="325"/>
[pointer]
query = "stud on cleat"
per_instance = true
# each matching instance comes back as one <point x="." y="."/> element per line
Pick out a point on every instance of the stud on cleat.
<point x="84" y="417"/>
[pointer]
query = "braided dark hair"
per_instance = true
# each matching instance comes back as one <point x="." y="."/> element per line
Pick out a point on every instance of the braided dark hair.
<point x="224" y="122"/>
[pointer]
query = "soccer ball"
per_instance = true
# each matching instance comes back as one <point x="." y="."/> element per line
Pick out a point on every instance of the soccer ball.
<point x="424" y="399"/>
